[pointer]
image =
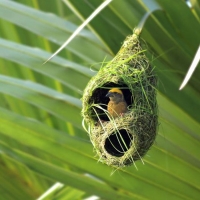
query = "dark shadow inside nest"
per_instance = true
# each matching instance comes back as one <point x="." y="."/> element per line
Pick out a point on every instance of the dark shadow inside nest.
<point x="118" y="143"/>
<point x="99" y="97"/>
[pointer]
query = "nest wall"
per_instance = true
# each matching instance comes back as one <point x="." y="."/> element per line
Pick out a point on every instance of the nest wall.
<point x="127" y="138"/>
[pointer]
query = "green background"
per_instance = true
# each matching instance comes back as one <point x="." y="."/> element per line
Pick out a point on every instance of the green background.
<point x="42" y="141"/>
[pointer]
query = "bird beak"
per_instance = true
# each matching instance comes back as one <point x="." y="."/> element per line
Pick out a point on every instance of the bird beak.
<point x="109" y="94"/>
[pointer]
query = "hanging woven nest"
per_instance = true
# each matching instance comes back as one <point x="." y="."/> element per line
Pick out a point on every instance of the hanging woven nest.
<point x="125" y="139"/>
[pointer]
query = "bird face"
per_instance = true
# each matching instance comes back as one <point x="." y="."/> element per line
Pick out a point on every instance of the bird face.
<point x="115" y="95"/>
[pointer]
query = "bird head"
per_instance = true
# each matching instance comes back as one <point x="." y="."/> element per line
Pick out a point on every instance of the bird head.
<point x="115" y="94"/>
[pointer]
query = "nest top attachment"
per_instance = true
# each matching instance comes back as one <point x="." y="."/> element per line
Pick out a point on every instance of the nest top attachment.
<point x="122" y="140"/>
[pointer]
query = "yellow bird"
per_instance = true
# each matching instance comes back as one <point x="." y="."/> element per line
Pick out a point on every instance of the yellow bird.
<point x="117" y="105"/>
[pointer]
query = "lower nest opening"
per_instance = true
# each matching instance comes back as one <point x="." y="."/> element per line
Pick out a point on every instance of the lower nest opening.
<point x="99" y="97"/>
<point x="118" y="143"/>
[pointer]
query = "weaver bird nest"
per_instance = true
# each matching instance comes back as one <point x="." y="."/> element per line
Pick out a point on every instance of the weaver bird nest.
<point x="122" y="140"/>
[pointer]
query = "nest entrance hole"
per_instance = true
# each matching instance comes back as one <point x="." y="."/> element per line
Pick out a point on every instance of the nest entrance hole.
<point x="99" y="97"/>
<point x="118" y="143"/>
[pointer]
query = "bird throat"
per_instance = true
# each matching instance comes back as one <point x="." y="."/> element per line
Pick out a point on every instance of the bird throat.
<point x="115" y="101"/>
